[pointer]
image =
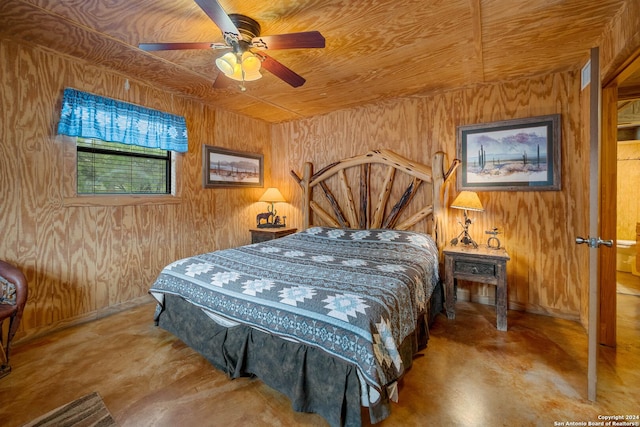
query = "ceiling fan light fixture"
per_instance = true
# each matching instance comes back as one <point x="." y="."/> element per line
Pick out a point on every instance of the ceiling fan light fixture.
<point x="237" y="73"/>
<point x="244" y="76"/>
<point x="250" y="63"/>
<point x="250" y="76"/>
<point x="245" y="68"/>
<point x="227" y="63"/>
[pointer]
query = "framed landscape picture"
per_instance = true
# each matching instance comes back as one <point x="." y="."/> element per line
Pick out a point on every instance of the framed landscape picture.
<point x="228" y="168"/>
<point x="516" y="155"/>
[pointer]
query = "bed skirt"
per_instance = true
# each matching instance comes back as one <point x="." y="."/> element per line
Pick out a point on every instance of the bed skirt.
<point x="313" y="380"/>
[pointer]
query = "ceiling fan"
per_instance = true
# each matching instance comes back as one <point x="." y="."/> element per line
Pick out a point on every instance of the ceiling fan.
<point x="242" y="36"/>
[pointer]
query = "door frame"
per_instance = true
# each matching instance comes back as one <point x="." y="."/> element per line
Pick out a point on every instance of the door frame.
<point x="608" y="216"/>
<point x="595" y="213"/>
<point x="608" y="189"/>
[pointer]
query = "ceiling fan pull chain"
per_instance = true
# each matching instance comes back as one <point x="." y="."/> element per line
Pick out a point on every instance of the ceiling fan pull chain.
<point x="243" y="88"/>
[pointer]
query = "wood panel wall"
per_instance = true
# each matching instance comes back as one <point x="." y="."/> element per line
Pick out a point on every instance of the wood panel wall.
<point x="545" y="274"/>
<point x="83" y="261"/>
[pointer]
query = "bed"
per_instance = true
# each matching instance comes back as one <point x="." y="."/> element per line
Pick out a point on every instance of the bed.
<point x="333" y="315"/>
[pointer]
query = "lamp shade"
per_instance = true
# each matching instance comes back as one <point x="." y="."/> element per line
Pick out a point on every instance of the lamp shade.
<point x="467" y="200"/>
<point x="272" y="195"/>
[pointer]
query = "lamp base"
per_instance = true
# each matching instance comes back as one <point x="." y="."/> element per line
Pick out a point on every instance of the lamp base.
<point x="465" y="240"/>
<point x="464" y="236"/>
<point x="269" y="219"/>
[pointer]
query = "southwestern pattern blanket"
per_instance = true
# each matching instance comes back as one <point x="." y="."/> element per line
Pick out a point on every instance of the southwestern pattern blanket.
<point x="357" y="294"/>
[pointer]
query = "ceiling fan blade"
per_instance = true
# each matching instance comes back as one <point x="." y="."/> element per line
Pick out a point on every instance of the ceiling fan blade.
<point x="217" y="14"/>
<point x="179" y="46"/>
<point x="308" y="39"/>
<point x="280" y="71"/>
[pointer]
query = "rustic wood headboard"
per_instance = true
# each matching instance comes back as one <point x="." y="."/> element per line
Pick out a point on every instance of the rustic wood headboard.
<point x="366" y="216"/>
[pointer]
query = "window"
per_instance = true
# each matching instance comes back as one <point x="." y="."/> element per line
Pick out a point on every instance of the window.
<point x="114" y="168"/>
<point x="140" y="160"/>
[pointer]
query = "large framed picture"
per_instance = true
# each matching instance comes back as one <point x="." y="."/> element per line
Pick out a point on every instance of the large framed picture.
<point x="227" y="168"/>
<point x="516" y="155"/>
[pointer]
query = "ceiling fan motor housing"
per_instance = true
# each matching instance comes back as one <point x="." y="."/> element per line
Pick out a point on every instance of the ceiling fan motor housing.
<point x="247" y="27"/>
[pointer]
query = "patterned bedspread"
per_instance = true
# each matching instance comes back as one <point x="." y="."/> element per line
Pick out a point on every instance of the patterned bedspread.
<point x="357" y="294"/>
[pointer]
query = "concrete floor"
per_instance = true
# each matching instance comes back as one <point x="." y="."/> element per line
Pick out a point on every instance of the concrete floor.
<point x="470" y="375"/>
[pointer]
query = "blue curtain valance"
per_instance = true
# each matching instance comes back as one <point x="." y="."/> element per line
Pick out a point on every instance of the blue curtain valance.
<point x="91" y="116"/>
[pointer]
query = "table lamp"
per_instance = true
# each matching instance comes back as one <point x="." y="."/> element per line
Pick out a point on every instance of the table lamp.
<point x="272" y="195"/>
<point x="468" y="201"/>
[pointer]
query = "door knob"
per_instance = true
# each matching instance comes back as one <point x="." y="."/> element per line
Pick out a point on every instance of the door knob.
<point x="594" y="242"/>
<point x="607" y="243"/>
<point x="580" y="240"/>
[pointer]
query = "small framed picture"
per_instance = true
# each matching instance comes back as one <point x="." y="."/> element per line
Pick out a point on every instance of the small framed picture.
<point x="511" y="155"/>
<point x="229" y="168"/>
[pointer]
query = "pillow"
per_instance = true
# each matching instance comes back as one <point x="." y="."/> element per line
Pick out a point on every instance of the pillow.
<point x="7" y="292"/>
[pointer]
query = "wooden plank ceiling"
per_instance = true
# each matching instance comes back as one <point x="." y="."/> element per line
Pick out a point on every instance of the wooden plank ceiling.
<point x="375" y="50"/>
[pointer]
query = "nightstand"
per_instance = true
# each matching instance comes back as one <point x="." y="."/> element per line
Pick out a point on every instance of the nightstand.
<point x="483" y="265"/>
<point x="263" y="234"/>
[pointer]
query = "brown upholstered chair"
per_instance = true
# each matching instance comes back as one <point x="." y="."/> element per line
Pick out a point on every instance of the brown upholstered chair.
<point x="13" y="297"/>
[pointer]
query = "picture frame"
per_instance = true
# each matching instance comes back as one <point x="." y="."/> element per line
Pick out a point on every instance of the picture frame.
<point x="222" y="167"/>
<point x="511" y="155"/>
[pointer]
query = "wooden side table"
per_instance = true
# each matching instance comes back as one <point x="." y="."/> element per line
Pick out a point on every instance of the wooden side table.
<point x="483" y="265"/>
<point x="263" y="234"/>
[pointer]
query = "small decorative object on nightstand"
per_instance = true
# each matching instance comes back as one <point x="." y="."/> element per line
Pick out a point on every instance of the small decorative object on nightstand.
<point x="468" y="201"/>
<point x="270" y="219"/>
<point x="263" y="234"/>
<point x="481" y="264"/>
<point x="493" y="241"/>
